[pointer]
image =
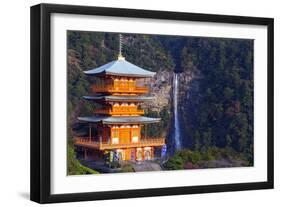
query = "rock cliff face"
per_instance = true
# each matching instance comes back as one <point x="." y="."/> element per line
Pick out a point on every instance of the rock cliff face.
<point x="161" y="88"/>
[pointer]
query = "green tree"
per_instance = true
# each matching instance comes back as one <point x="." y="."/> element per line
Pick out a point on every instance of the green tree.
<point x="174" y="163"/>
<point x="73" y="165"/>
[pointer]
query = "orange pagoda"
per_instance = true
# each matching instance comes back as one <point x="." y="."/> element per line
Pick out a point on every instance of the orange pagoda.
<point x="119" y="89"/>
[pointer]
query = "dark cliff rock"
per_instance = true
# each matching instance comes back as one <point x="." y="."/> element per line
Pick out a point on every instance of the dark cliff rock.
<point x="160" y="88"/>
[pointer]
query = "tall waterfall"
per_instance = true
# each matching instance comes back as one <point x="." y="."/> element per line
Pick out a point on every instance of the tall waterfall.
<point x="176" y="117"/>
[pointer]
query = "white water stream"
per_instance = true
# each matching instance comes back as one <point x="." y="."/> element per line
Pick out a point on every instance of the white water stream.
<point x="176" y="118"/>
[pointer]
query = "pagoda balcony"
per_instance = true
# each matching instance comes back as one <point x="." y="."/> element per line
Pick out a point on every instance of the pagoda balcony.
<point x="121" y="110"/>
<point x="90" y="143"/>
<point x="116" y="89"/>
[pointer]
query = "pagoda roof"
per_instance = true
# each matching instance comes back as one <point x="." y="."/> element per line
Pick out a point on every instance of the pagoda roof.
<point x="119" y="120"/>
<point x="120" y="67"/>
<point x="119" y="98"/>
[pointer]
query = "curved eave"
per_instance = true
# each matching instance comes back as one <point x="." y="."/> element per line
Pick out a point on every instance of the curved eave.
<point x="120" y="68"/>
<point x="119" y="74"/>
<point x="119" y="98"/>
<point x="130" y="75"/>
<point x="120" y="120"/>
<point x="90" y="119"/>
<point x="131" y="120"/>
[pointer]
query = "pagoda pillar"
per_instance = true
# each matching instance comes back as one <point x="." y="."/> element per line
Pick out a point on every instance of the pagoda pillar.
<point x="145" y="131"/>
<point x="85" y="153"/>
<point x="100" y="135"/>
<point x="110" y="136"/>
<point x="90" y="131"/>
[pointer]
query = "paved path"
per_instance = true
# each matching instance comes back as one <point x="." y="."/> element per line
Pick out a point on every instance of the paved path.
<point x="146" y="166"/>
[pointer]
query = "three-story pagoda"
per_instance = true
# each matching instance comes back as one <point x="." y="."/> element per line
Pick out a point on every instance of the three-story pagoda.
<point x="119" y="89"/>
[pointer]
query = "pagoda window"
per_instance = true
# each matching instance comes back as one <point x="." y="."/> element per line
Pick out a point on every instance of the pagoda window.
<point x="115" y="133"/>
<point x="116" y="83"/>
<point x="135" y="135"/>
<point x="131" y="84"/>
<point x="135" y="132"/>
<point x="122" y="83"/>
<point x="115" y="136"/>
<point x="115" y="140"/>
<point x="135" y="139"/>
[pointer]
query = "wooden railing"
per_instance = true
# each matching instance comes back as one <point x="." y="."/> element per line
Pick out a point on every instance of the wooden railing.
<point x="115" y="89"/>
<point x="121" y="110"/>
<point x="147" y="142"/>
<point x="103" y="111"/>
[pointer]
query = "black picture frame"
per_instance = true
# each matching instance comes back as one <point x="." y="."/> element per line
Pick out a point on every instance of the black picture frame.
<point x="41" y="96"/>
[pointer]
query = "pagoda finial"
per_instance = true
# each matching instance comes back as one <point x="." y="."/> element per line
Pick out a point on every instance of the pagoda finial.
<point x="120" y="56"/>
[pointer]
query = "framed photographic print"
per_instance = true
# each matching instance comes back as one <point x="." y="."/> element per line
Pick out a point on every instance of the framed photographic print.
<point x="133" y="103"/>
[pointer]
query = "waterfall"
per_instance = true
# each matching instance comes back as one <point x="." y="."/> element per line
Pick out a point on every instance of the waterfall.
<point x="176" y="117"/>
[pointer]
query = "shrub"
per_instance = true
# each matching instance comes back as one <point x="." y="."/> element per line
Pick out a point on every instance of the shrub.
<point x="174" y="163"/>
<point x="74" y="167"/>
<point x="195" y="157"/>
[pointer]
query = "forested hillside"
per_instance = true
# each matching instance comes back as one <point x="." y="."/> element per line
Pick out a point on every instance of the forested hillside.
<point x="221" y="112"/>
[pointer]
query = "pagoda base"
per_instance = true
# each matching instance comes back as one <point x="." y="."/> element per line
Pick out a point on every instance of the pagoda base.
<point x="119" y="154"/>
